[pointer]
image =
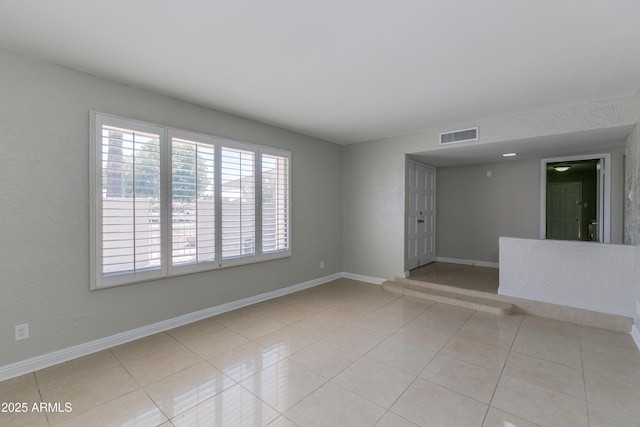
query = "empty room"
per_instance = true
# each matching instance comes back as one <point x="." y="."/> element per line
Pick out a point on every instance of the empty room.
<point x="353" y="213"/>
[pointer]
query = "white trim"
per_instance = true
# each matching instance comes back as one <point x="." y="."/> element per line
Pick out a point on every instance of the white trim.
<point x="46" y="360"/>
<point x="361" y="278"/>
<point x="470" y="262"/>
<point x="635" y="334"/>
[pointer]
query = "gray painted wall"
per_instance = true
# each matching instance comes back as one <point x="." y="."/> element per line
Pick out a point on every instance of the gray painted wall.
<point x="373" y="221"/>
<point x="44" y="211"/>
<point x="474" y="210"/>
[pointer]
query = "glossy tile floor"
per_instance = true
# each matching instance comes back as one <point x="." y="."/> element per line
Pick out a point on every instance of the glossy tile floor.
<point x="347" y="354"/>
<point x="484" y="279"/>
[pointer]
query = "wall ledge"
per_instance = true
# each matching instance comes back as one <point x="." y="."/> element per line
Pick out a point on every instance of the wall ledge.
<point x="583" y="275"/>
<point x="471" y="262"/>
<point x="361" y="278"/>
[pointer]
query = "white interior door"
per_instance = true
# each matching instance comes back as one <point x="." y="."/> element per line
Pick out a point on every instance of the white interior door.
<point x="421" y="215"/>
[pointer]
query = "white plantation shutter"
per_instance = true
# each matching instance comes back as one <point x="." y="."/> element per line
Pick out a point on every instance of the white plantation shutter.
<point x="275" y="201"/>
<point x="169" y="202"/>
<point x="128" y="201"/>
<point x="193" y="218"/>
<point x="238" y="202"/>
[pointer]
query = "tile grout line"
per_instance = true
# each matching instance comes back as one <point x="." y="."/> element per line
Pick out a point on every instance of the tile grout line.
<point x="96" y="406"/>
<point x="330" y="380"/>
<point x="584" y="380"/>
<point x="35" y="378"/>
<point x="489" y="406"/>
<point x="141" y="387"/>
<point x="428" y="363"/>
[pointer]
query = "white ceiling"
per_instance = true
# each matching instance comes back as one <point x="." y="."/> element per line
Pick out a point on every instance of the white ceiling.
<point x="350" y="70"/>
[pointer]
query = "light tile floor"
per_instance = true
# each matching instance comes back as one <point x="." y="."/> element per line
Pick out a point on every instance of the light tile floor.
<point x="484" y="279"/>
<point x="346" y="354"/>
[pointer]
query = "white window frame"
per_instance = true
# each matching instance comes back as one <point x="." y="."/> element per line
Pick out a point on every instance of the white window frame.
<point x="98" y="280"/>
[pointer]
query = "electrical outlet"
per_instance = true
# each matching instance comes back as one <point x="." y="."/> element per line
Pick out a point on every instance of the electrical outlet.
<point x="321" y="265"/>
<point x="22" y="332"/>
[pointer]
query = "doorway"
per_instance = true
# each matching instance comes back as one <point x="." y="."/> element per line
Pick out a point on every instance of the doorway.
<point x="564" y="210"/>
<point x="420" y="234"/>
<point x="576" y="198"/>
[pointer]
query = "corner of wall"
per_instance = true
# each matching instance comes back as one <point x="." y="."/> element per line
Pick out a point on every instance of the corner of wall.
<point x="632" y="213"/>
<point x="635" y="331"/>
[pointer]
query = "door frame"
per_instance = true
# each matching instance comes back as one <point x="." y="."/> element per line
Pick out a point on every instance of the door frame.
<point x="604" y="193"/>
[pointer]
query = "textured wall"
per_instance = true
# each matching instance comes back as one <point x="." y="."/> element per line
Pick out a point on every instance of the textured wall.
<point x="575" y="274"/>
<point x="637" y="282"/>
<point x="632" y="210"/>
<point x="632" y="188"/>
<point x="44" y="211"/>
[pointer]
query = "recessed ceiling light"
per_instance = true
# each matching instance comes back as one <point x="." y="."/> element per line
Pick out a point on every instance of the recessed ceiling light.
<point x="509" y="154"/>
<point x="561" y="168"/>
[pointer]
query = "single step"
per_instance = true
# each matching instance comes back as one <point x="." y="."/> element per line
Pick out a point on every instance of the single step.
<point x="474" y="300"/>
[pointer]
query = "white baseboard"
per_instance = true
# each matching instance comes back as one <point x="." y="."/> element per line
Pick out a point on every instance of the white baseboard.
<point x="635" y="333"/>
<point x="46" y="360"/>
<point x="361" y="278"/>
<point x="468" y="262"/>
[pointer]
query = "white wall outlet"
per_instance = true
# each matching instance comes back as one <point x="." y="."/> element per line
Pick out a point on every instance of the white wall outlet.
<point x="22" y="332"/>
<point x="321" y="265"/>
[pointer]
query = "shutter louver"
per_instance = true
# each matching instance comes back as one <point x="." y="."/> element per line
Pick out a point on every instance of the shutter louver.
<point x="193" y="204"/>
<point x="275" y="203"/>
<point x="238" y="203"/>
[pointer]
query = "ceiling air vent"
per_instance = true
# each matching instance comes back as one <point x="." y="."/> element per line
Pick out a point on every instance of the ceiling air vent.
<point x="459" y="136"/>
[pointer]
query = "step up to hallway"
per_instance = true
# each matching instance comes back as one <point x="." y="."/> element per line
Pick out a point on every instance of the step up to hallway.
<point x="480" y="301"/>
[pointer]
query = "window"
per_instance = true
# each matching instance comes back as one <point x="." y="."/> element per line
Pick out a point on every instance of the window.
<point x="170" y="202"/>
<point x="193" y="214"/>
